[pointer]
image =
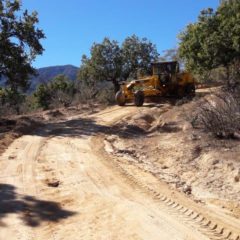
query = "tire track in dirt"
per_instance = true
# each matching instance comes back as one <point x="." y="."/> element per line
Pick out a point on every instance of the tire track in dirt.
<point x="99" y="179"/>
<point x="189" y="214"/>
<point x="109" y="201"/>
<point x="20" y="175"/>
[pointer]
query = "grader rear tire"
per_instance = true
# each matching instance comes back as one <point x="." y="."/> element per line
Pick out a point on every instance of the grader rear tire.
<point x="139" y="98"/>
<point x="190" y="90"/>
<point x="181" y="92"/>
<point x="120" y="98"/>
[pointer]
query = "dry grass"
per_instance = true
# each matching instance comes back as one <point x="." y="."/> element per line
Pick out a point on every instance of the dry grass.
<point x="221" y="115"/>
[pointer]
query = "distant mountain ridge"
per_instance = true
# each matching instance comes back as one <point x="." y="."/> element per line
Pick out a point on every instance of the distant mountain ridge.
<point x="45" y="74"/>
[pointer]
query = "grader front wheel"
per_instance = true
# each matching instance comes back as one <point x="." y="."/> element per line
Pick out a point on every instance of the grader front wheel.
<point x="120" y="98"/>
<point x="139" y="98"/>
<point x="190" y="90"/>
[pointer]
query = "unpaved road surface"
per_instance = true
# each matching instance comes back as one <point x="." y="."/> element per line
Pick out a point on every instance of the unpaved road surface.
<point x="59" y="184"/>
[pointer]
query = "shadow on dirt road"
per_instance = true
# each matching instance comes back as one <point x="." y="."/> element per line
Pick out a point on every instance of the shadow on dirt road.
<point x="31" y="210"/>
<point x="89" y="127"/>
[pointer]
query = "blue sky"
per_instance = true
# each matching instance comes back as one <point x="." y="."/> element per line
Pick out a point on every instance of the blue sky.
<point x="71" y="26"/>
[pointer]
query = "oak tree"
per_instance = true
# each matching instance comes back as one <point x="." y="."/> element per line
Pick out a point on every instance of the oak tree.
<point x="109" y="61"/>
<point x="214" y="40"/>
<point x="19" y="44"/>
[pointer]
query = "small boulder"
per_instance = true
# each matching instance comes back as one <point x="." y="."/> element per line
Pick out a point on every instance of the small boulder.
<point x="53" y="184"/>
<point x="164" y="167"/>
<point x="237" y="178"/>
<point x="186" y="126"/>
<point x="216" y="161"/>
<point x="187" y="189"/>
<point x="236" y="135"/>
<point x="194" y="137"/>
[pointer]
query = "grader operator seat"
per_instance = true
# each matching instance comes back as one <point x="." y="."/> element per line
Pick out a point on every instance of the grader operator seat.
<point x="165" y="71"/>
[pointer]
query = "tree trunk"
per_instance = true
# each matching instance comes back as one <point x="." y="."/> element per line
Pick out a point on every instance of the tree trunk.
<point x="17" y="108"/>
<point x="116" y="86"/>
<point x="228" y="76"/>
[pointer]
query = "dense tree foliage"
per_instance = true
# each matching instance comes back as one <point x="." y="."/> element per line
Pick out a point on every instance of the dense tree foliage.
<point x="10" y="99"/>
<point x="214" y="40"/>
<point x="19" y="44"/>
<point x="42" y="96"/>
<point x="105" y="62"/>
<point x="170" y="55"/>
<point x="137" y="54"/>
<point x="58" y="92"/>
<point x="111" y="62"/>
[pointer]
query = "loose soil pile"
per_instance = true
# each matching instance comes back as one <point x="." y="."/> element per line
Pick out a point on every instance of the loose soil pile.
<point x="15" y="127"/>
<point x="187" y="158"/>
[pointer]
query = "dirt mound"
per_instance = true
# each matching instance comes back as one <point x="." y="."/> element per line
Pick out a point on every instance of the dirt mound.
<point x="179" y="153"/>
<point x="10" y="129"/>
<point x="52" y="114"/>
<point x="142" y="120"/>
<point x="16" y="126"/>
<point x="25" y="125"/>
<point x="147" y="117"/>
<point x="7" y="123"/>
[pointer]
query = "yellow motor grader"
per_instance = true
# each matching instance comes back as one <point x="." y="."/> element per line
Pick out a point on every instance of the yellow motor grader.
<point x="166" y="81"/>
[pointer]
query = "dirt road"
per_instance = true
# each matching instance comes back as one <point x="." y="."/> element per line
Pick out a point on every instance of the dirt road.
<point x="59" y="184"/>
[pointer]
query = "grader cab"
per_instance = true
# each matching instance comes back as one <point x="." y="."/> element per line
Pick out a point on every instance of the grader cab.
<point x="166" y="81"/>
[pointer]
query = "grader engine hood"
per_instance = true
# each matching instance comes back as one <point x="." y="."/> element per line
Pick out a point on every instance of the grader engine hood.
<point x="137" y="83"/>
<point x="131" y="85"/>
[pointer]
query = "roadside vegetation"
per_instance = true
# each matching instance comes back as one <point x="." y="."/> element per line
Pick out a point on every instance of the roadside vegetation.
<point x="19" y="46"/>
<point x="208" y="48"/>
